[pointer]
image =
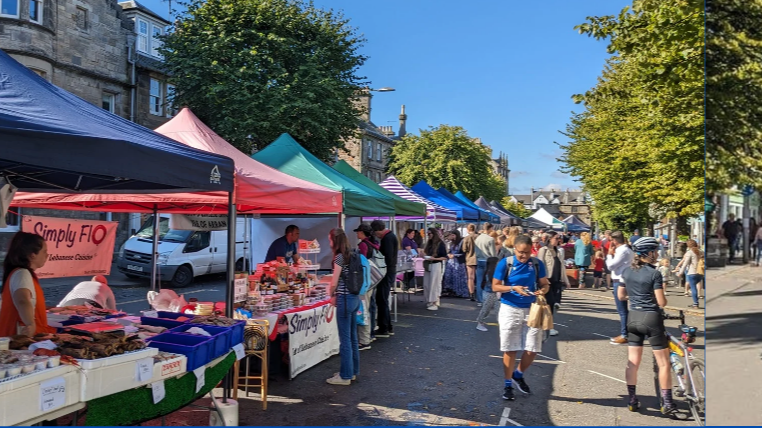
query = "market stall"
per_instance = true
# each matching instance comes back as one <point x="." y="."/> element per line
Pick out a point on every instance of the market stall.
<point x="506" y="218"/>
<point x="464" y="213"/>
<point x="435" y="213"/>
<point x="484" y="216"/>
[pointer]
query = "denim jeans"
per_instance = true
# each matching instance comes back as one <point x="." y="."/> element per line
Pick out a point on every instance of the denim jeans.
<point x="349" y="348"/>
<point x="693" y="281"/>
<point x="621" y="307"/>
<point x="759" y="251"/>
<point x="731" y="248"/>
<point x="481" y="267"/>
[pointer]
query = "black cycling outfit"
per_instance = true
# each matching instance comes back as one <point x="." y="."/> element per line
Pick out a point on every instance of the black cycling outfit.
<point x="645" y="319"/>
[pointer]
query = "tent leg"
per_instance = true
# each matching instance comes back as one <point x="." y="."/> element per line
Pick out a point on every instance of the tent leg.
<point x="230" y="281"/>
<point x="155" y="250"/>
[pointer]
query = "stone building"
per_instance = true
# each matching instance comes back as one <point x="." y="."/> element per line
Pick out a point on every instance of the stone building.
<point x="568" y="202"/>
<point x="369" y="152"/>
<point x="102" y="51"/>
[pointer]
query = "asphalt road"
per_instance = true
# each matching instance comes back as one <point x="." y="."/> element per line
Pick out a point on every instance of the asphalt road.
<point x="439" y="370"/>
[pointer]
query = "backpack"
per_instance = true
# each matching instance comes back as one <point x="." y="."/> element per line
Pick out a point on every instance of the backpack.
<point x="377" y="264"/>
<point x="355" y="274"/>
<point x="700" y="265"/>
<point x="535" y="262"/>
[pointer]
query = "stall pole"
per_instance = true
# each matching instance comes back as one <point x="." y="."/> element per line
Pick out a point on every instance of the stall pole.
<point x="155" y="249"/>
<point x="230" y="281"/>
<point x="245" y="242"/>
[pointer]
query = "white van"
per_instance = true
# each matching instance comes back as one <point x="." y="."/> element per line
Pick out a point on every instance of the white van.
<point x="183" y="254"/>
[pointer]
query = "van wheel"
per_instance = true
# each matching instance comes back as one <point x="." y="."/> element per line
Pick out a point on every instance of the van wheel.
<point x="183" y="277"/>
<point x="239" y="265"/>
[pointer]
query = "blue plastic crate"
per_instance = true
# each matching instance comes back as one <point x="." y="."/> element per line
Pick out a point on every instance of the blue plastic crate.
<point x="173" y="315"/>
<point x="219" y="335"/>
<point x="236" y="335"/>
<point x="197" y="349"/>
<point x="159" y="322"/>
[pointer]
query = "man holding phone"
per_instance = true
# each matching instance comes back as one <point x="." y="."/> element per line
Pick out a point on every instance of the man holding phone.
<point x="520" y="279"/>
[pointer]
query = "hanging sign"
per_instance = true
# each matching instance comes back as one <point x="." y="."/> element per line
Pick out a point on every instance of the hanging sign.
<point x="313" y="337"/>
<point x="75" y="247"/>
<point x="198" y="222"/>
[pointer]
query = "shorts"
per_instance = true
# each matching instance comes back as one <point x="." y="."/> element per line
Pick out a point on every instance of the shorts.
<point x="598" y="274"/>
<point x="606" y="269"/>
<point x="515" y="335"/>
<point x="641" y="324"/>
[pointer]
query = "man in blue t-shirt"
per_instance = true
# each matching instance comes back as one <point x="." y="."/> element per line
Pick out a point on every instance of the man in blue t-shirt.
<point x="285" y="246"/>
<point x="519" y="287"/>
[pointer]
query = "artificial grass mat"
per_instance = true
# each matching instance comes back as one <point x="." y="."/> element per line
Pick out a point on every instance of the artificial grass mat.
<point x="136" y="405"/>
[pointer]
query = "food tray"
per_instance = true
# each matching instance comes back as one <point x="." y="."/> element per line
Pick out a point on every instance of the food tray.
<point x="20" y="398"/>
<point x="198" y="350"/>
<point x="118" y="359"/>
<point x="220" y="336"/>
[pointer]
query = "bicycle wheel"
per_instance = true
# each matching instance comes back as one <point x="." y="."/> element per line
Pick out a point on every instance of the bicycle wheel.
<point x="699" y="376"/>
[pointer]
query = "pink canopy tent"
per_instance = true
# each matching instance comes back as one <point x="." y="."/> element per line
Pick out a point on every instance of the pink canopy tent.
<point x="258" y="187"/>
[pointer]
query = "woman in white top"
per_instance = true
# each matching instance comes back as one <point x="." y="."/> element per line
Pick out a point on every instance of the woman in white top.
<point x="95" y="292"/>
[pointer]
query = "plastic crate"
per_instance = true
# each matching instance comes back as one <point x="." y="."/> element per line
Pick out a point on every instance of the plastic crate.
<point x="219" y="335"/>
<point x="236" y="333"/>
<point x="173" y="315"/>
<point x="197" y="349"/>
<point x="160" y="322"/>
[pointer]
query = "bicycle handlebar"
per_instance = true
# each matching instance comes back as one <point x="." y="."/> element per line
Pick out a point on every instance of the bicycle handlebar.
<point x="680" y="317"/>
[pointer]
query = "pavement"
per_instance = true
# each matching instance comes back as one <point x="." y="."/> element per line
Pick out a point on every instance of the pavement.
<point x="733" y="320"/>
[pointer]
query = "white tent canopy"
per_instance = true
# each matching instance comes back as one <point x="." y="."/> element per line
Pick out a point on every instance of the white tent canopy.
<point x="545" y="217"/>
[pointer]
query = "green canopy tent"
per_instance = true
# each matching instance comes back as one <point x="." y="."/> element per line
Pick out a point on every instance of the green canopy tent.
<point x="402" y="207"/>
<point x="288" y="156"/>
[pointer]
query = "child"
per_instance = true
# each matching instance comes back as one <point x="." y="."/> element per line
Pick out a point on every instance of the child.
<point x="664" y="270"/>
<point x="598" y="272"/>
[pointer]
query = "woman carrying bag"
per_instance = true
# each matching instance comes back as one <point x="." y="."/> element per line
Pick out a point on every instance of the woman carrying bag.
<point x="435" y="254"/>
<point x="554" y="262"/>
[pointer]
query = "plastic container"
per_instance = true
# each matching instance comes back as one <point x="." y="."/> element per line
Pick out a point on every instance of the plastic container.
<point x="197" y="349"/>
<point x="159" y="322"/>
<point x="5" y="343"/>
<point x="174" y="315"/>
<point x="54" y="361"/>
<point x="220" y="336"/>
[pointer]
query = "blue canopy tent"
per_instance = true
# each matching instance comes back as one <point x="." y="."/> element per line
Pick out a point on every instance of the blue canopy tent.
<point x="480" y="216"/>
<point x="491" y="217"/>
<point x="54" y="141"/>
<point x="463" y="212"/>
<point x="505" y="216"/>
<point x="576" y="225"/>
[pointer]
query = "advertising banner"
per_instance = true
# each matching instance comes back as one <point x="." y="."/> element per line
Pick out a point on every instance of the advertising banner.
<point x="198" y="222"/>
<point x="75" y="247"/>
<point x="313" y="336"/>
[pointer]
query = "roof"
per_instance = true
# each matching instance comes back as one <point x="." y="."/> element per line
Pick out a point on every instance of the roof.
<point x="150" y="63"/>
<point x="553" y="209"/>
<point x="134" y="5"/>
<point x="574" y="196"/>
<point x="402" y="207"/>
<point x="372" y="129"/>
<point x="434" y="212"/>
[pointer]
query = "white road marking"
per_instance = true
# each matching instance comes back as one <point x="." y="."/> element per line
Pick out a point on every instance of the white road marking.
<point x="504" y="419"/>
<point x="602" y="335"/>
<point x="612" y="378"/>
<point x="543" y="356"/>
<point x="556" y="323"/>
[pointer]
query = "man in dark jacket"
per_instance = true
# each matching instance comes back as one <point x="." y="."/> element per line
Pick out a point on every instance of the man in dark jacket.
<point x="389" y="248"/>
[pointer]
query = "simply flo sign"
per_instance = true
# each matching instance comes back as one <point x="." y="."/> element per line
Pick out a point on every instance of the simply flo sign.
<point x="75" y="247"/>
<point x="198" y="222"/>
<point x="312" y="337"/>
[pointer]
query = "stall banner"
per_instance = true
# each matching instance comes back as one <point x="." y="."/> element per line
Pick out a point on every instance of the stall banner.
<point x="198" y="222"/>
<point x="75" y="247"/>
<point x="312" y="337"/>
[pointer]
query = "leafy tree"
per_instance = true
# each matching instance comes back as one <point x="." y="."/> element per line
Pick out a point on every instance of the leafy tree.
<point x="733" y="94"/>
<point x="640" y="139"/>
<point x="447" y="157"/>
<point x="516" y="208"/>
<point x="254" y="69"/>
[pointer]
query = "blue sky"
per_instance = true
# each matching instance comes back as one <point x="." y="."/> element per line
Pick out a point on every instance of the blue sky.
<point x="503" y="70"/>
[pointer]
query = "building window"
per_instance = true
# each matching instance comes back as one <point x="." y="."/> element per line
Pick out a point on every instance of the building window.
<point x="108" y="102"/>
<point x="156" y="32"/>
<point x="142" y="36"/>
<point x="156" y="98"/>
<point x="35" y="11"/>
<point x="148" y="37"/>
<point x="369" y="149"/>
<point x="378" y="152"/>
<point x="82" y="18"/>
<point x="9" y="8"/>
<point x="169" y="105"/>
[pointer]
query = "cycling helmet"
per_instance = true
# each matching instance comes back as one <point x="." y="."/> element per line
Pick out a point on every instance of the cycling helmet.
<point x="645" y="245"/>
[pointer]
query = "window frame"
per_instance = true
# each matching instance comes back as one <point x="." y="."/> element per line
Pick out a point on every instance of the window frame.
<point x="378" y="152"/>
<point x="7" y="15"/>
<point x="112" y="103"/>
<point x="142" y="37"/>
<point x="369" y="149"/>
<point x="86" y="24"/>
<point x="151" y="104"/>
<point x="40" y="11"/>
<point x="155" y="43"/>
<point x="169" y="111"/>
<point x="152" y="44"/>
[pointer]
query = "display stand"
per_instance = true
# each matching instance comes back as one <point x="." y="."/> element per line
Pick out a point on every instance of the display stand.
<point x="311" y="256"/>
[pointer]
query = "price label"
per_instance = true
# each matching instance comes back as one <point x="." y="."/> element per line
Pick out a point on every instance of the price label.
<point x="151" y="314"/>
<point x="158" y="391"/>
<point x="239" y="352"/>
<point x="52" y="394"/>
<point x="144" y="369"/>
<point x="200" y="378"/>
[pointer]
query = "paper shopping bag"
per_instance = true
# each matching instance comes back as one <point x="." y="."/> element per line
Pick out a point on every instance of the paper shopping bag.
<point x="536" y="313"/>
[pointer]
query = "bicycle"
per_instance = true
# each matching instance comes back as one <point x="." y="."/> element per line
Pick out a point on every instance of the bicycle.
<point x="688" y="384"/>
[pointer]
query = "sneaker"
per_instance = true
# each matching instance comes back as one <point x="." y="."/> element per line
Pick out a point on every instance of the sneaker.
<point x="380" y="333"/>
<point x="553" y="332"/>
<point x="634" y="407"/>
<point x="619" y="340"/>
<point x="337" y="380"/>
<point x="672" y="412"/>
<point x="693" y="306"/>
<point x="339" y="375"/>
<point x="481" y="327"/>
<point x="478" y="305"/>
<point x="372" y="339"/>
<point x="364" y="347"/>
<point x="432" y="308"/>
<point x="472" y="297"/>
<point x="508" y="393"/>
<point x="391" y="332"/>
<point x="605" y="288"/>
<point x="521" y="385"/>
<point x="557" y="305"/>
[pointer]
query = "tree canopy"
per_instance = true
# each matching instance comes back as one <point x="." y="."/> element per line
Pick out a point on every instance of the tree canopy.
<point x="733" y="94"/>
<point x="447" y="157"/>
<point x="516" y="208"/>
<point x="640" y="139"/>
<point x="254" y="69"/>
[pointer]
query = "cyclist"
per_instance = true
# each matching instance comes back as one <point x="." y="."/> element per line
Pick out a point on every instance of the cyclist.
<point x="644" y="288"/>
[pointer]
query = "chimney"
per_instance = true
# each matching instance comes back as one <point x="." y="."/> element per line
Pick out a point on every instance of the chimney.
<point x="363" y="101"/>
<point x="403" y="121"/>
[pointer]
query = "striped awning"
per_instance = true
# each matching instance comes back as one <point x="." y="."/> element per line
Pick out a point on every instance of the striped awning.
<point x="434" y="212"/>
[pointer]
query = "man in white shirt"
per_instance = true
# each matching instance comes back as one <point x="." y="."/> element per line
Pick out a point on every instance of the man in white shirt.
<point x="96" y="293"/>
<point x="484" y="248"/>
<point x="620" y="256"/>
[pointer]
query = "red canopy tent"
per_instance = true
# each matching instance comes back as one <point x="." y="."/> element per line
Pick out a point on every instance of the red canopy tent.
<point x="258" y="187"/>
